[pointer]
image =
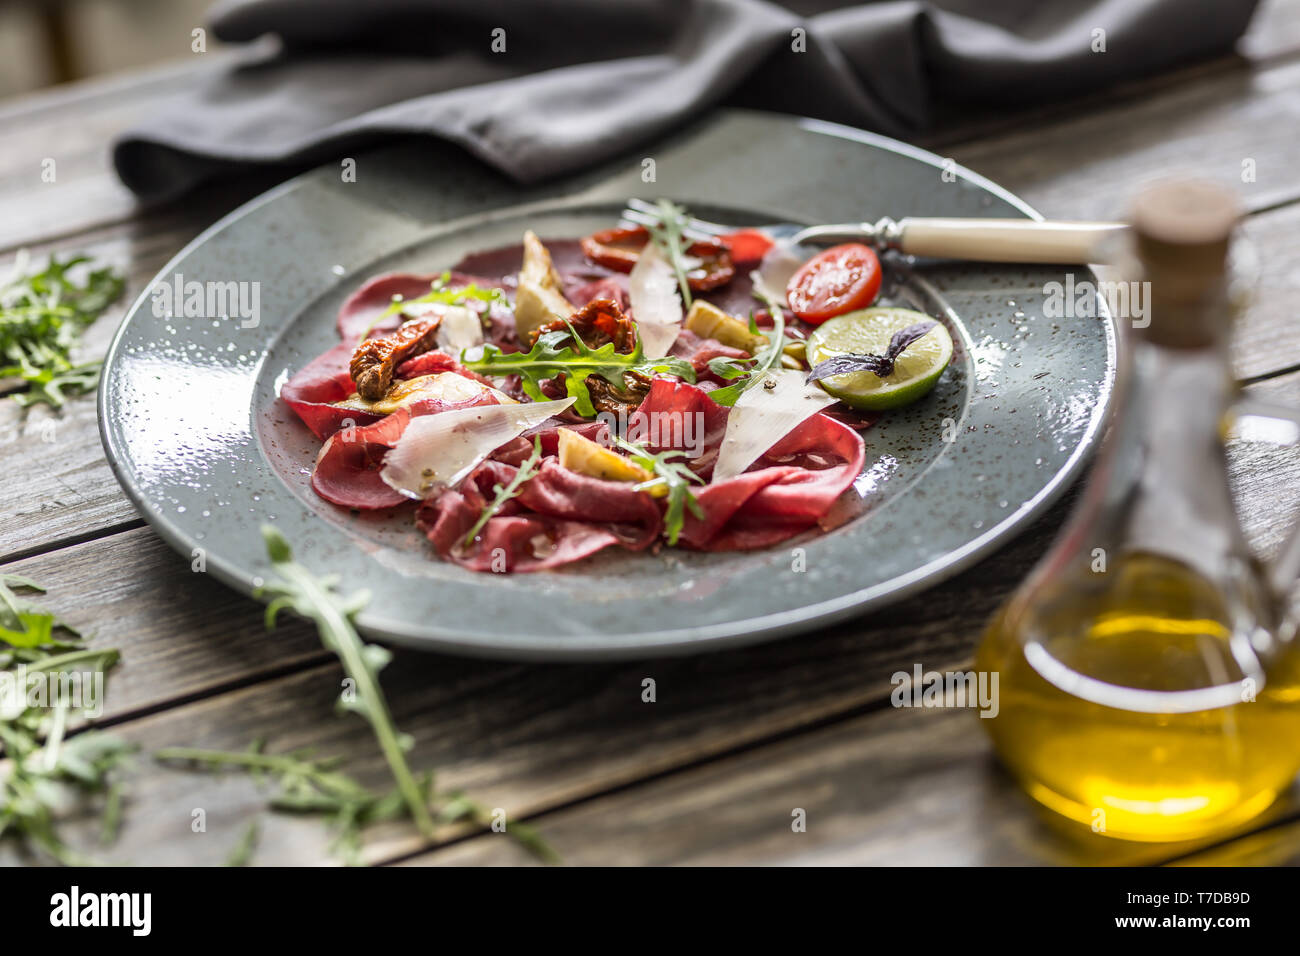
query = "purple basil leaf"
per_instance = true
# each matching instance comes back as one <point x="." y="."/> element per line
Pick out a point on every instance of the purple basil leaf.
<point x="882" y="365"/>
<point x="841" y="364"/>
<point x="905" y="337"/>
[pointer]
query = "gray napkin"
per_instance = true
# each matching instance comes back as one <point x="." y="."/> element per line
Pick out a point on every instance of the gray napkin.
<point x="542" y="87"/>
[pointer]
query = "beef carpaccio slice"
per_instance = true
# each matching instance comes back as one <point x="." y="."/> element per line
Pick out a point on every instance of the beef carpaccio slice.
<point x="560" y="516"/>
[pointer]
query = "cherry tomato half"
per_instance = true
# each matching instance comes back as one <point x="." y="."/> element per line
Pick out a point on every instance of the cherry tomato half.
<point x="839" y="280"/>
<point x="617" y="249"/>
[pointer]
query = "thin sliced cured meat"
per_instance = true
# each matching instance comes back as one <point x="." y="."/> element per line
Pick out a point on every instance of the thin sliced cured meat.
<point x="429" y="363"/>
<point x="769" y="504"/>
<point x="315" y="386"/>
<point x="701" y="351"/>
<point x="676" y="415"/>
<point x="347" y="469"/>
<point x="559" y="517"/>
<point x="327" y="378"/>
<point x="613" y="287"/>
<point x="311" y="391"/>
<point x="631" y="515"/>
<point x="782" y="494"/>
<point x="374" y="298"/>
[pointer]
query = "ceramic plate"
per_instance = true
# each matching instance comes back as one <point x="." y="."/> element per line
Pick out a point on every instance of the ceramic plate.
<point x="195" y="433"/>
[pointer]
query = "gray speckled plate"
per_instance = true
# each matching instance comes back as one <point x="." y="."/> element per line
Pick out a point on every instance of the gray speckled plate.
<point x="195" y="433"/>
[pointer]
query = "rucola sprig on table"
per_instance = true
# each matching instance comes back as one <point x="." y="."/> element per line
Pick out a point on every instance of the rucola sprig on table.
<point x="42" y="316"/>
<point x="44" y="764"/>
<point x="311" y="785"/>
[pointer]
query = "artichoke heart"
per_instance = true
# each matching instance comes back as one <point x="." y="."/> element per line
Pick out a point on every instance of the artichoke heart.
<point x="588" y="457"/>
<point x="539" y="298"/>
<point x="708" y="321"/>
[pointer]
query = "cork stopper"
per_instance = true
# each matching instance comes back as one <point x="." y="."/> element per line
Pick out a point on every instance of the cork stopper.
<point x="1182" y="231"/>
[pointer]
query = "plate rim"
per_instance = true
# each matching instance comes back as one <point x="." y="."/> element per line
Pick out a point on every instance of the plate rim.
<point x="657" y="643"/>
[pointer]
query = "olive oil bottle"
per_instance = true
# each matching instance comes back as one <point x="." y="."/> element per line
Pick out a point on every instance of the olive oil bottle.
<point x="1148" y="678"/>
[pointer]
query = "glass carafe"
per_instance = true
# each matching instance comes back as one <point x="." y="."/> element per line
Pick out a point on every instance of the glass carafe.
<point x="1149" y="686"/>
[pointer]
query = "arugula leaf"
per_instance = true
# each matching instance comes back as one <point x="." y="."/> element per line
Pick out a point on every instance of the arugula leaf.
<point x="438" y="294"/>
<point x="767" y="358"/>
<point x="308" y="785"/>
<point x="726" y="368"/>
<point x="564" y="353"/>
<point x="511" y="490"/>
<point x="49" y="386"/>
<point x="314" y="599"/>
<point x="24" y="624"/>
<point x="33" y="630"/>
<point x="44" y="767"/>
<point x="882" y="365"/>
<point x="670" y="471"/>
<point x="304" y="785"/>
<point x="242" y="852"/>
<point x="669" y="234"/>
<point x="42" y="315"/>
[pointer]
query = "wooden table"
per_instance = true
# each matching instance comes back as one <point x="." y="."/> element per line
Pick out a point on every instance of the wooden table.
<point x="712" y="771"/>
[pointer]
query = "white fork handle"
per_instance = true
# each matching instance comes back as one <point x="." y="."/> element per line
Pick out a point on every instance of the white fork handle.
<point x="1002" y="240"/>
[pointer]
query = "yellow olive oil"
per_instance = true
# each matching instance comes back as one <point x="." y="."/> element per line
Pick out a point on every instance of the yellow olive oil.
<point x="1135" y="704"/>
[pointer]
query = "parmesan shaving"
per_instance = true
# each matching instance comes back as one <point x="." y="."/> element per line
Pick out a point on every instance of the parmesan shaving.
<point x="656" y="304"/>
<point x="445" y="447"/>
<point x="763" y="415"/>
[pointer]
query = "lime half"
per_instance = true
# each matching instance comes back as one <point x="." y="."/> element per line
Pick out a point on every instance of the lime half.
<point x="867" y="332"/>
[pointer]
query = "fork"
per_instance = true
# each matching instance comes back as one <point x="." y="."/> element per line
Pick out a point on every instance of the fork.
<point x="980" y="240"/>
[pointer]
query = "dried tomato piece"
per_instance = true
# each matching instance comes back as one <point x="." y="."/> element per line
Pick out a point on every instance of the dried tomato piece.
<point x="375" y="359"/>
<point x="618" y="401"/>
<point x="597" y="323"/>
<point x="618" y="249"/>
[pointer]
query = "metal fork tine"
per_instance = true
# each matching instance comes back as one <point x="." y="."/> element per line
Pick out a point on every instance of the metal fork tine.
<point x="694" y="230"/>
<point x="638" y="217"/>
<point x="643" y="219"/>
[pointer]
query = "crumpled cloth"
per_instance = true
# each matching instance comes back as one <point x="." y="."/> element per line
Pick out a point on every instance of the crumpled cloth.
<point x="539" y="88"/>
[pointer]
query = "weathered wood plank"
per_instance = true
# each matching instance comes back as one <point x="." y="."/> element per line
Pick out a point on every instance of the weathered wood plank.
<point x="1262" y="471"/>
<point x="55" y="480"/>
<point x="182" y="634"/>
<point x="528" y="738"/>
<point x="1276" y="846"/>
<point x="66" y="132"/>
<point x="1086" y="166"/>
<point x="890" y="788"/>
<point x="1273" y="37"/>
<point x="1267" y="336"/>
<point x="893" y="786"/>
